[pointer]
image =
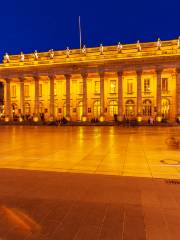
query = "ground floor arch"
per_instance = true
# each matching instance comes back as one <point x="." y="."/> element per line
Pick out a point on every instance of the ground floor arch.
<point x="96" y="108"/>
<point x="130" y="108"/>
<point x="147" y="107"/>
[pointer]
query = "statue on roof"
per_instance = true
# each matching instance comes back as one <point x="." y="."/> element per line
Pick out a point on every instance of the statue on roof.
<point x="36" y="55"/>
<point x="101" y="49"/>
<point x="119" y="47"/>
<point x="22" y="57"/>
<point x="84" y="50"/>
<point x="51" y="53"/>
<point x="159" y="44"/>
<point x="178" y="42"/>
<point x="67" y="52"/>
<point x="6" y="58"/>
<point x="138" y="46"/>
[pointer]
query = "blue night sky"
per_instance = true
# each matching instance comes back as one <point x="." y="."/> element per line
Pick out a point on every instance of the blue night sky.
<point x="27" y="25"/>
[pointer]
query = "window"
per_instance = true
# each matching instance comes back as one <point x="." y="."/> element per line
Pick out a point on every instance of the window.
<point x="26" y="90"/>
<point x="112" y="86"/>
<point x="130" y="108"/>
<point x="147" y="85"/>
<point x="97" y="87"/>
<point x="80" y="87"/>
<point x="129" y="86"/>
<point x="164" y="84"/>
<point x="40" y="90"/>
<point x="13" y="91"/>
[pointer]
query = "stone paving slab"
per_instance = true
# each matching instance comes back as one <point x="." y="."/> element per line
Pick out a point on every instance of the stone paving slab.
<point x="36" y="205"/>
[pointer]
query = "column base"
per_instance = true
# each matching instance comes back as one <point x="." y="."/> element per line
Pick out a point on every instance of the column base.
<point x="7" y="119"/>
<point x="139" y="118"/>
<point x="51" y="118"/>
<point x="84" y="118"/>
<point x="101" y="118"/>
<point x="36" y="118"/>
<point x="159" y="118"/>
<point x="120" y="118"/>
<point x="68" y="118"/>
<point x="178" y="118"/>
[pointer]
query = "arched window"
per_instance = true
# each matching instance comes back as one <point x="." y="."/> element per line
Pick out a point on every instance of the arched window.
<point x="27" y="108"/>
<point x="165" y="107"/>
<point x="130" y="108"/>
<point x="97" y="108"/>
<point x="113" y="108"/>
<point x="147" y="107"/>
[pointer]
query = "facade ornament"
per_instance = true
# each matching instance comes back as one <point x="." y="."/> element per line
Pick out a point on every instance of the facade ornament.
<point x="138" y="46"/>
<point x="159" y="44"/>
<point x="36" y="55"/>
<point x="51" y="53"/>
<point x="119" y="47"/>
<point x="6" y="58"/>
<point x="22" y="57"/>
<point x="178" y="42"/>
<point x="67" y="52"/>
<point x="84" y="50"/>
<point x="101" y="49"/>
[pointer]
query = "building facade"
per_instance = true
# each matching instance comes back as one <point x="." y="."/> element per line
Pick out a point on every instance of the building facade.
<point x="139" y="80"/>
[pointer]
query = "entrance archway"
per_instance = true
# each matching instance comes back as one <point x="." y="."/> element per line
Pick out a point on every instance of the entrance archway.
<point x="113" y="108"/>
<point x="165" y="107"/>
<point x="27" y="108"/>
<point x="147" y="107"/>
<point x="80" y="110"/>
<point x="97" y="109"/>
<point x="130" y="108"/>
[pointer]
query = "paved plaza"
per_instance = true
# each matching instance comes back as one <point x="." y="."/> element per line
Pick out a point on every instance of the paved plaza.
<point x="89" y="183"/>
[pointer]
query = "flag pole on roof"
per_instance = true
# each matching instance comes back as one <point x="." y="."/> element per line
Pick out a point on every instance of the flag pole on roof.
<point x="80" y="36"/>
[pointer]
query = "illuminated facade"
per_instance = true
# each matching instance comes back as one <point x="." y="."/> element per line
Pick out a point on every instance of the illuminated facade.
<point x="134" y="80"/>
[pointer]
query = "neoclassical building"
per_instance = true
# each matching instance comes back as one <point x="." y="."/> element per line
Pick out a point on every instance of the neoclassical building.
<point x="134" y="80"/>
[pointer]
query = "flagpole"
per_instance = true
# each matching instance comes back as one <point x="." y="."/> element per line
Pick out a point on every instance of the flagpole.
<point x="80" y="37"/>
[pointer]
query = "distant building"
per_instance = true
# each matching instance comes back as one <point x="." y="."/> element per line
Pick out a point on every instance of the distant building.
<point x="137" y="80"/>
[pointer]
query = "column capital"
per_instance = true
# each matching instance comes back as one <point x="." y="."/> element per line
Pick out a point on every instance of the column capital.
<point x="101" y="74"/>
<point x="67" y="76"/>
<point x="21" y="78"/>
<point x="84" y="75"/>
<point x="51" y="76"/>
<point x="159" y="70"/>
<point x="139" y="71"/>
<point x="8" y="80"/>
<point x="177" y="70"/>
<point x="36" y="77"/>
<point x="120" y="73"/>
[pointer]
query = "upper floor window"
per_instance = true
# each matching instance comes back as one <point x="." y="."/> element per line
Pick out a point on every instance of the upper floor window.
<point x="13" y="90"/>
<point x="129" y="86"/>
<point x="97" y="87"/>
<point x="164" y="86"/>
<point x="146" y="85"/>
<point x="40" y="90"/>
<point x="26" y="90"/>
<point x="112" y="86"/>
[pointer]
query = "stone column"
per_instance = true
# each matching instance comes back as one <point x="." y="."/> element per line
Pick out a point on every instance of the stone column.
<point x="22" y="95"/>
<point x="178" y="93"/>
<point x="84" y="77"/>
<point x="139" y="95"/>
<point x="158" y="94"/>
<point x="68" y="78"/>
<point x="101" y="74"/>
<point x="8" y="101"/>
<point x="36" y="105"/>
<point x="120" y="96"/>
<point x="52" y="78"/>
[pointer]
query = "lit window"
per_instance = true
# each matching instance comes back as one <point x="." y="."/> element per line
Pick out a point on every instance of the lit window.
<point x="97" y="87"/>
<point x="40" y="90"/>
<point x="113" y="86"/>
<point x="13" y="90"/>
<point x="129" y="86"/>
<point x="164" y="84"/>
<point x="146" y="85"/>
<point x="26" y="90"/>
